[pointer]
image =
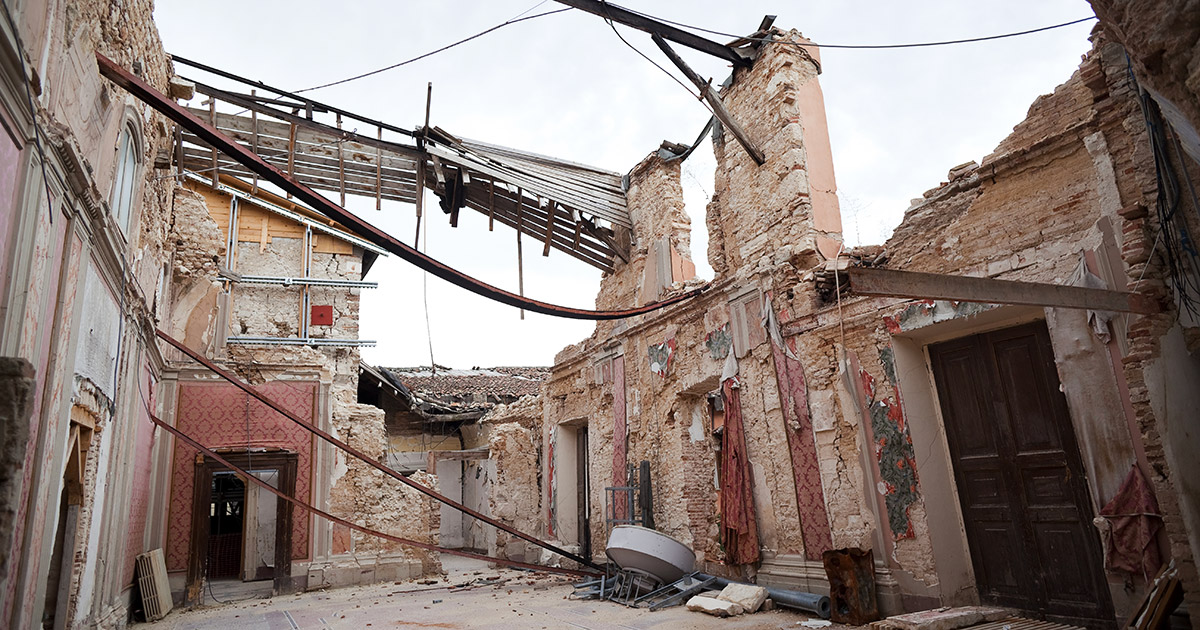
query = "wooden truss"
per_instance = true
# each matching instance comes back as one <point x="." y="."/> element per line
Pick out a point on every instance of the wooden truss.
<point x="576" y="209"/>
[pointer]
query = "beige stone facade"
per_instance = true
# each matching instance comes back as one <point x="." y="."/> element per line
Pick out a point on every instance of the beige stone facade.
<point x="1060" y="201"/>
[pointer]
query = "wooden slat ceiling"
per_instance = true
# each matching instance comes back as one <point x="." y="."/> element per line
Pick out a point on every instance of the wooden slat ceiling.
<point x="580" y="209"/>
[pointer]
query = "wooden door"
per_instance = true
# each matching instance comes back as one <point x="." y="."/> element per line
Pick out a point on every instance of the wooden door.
<point x="1020" y="478"/>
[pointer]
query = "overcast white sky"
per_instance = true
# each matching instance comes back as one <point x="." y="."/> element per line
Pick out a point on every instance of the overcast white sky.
<point x="564" y="85"/>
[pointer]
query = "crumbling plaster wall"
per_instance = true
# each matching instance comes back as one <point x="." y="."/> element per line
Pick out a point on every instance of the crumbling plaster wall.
<point x="80" y="117"/>
<point x="1163" y="39"/>
<point x="514" y="440"/>
<point x="1063" y="191"/>
<point x="761" y="224"/>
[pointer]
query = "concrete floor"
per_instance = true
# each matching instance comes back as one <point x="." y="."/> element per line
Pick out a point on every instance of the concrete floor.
<point x="518" y="600"/>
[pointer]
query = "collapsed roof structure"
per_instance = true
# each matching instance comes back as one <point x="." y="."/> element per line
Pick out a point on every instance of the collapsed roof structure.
<point x="763" y="412"/>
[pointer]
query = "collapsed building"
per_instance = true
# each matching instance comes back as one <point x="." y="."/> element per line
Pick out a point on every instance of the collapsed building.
<point x="998" y="402"/>
<point x="939" y="400"/>
<point x="433" y="420"/>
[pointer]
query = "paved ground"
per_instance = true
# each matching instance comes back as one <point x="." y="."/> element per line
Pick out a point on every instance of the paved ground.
<point x="493" y="599"/>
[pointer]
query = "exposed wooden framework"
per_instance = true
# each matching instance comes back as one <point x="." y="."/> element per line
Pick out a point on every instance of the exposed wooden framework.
<point x="569" y="207"/>
<point x="936" y="286"/>
<point x="256" y="164"/>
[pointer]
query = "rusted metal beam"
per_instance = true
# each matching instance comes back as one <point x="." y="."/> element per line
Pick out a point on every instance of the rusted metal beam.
<point x="710" y="95"/>
<point x="164" y="105"/>
<point x="185" y="438"/>
<point x="615" y="13"/>
<point x="936" y="286"/>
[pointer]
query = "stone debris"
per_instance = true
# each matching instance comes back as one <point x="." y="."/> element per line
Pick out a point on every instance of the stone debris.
<point x="945" y="618"/>
<point x="715" y="607"/>
<point x="748" y="596"/>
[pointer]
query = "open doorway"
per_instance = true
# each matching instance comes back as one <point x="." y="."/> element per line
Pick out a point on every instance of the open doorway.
<point x="241" y="533"/>
<point x="571" y="487"/>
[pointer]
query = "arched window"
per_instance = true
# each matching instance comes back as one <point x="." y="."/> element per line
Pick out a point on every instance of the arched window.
<point x="129" y="157"/>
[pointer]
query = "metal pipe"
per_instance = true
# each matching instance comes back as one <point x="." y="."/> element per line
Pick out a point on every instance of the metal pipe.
<point x="808" y="602"/>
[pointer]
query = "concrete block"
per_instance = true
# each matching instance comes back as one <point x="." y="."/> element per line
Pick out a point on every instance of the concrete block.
<point x="714" y="607"/>
<point x="748" y="596"/>
<point x="946" y="618"/>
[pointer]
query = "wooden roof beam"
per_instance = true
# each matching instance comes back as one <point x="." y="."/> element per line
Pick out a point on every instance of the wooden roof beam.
<point x="710" y="95"/>
<point x="615" y="13"/>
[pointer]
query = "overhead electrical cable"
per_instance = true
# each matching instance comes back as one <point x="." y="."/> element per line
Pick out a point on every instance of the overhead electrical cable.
<point x="868" y="46"/>
<point x="433" y="52"/>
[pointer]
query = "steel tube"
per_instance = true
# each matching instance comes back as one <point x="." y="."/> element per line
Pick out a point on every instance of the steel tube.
<point x="808" y="602"/>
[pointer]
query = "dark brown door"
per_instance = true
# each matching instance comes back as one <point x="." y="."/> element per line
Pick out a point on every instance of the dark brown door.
<point x="1020" y="478"/>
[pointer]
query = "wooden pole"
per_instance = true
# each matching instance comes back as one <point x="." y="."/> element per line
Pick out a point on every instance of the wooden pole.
<point x="520" y="263"/>
<point x="379" y="173"/>
<point x="254" y="141"/>
<point x="341" y="165"/>
<point x="549" y="227"/>
<point x="291" y="152"/>
<point x="212" y="119"/>
<point x="492" y="206"/>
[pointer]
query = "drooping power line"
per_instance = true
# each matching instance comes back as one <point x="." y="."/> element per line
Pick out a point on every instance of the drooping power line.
<point x="870" y="46"/>
<point x="433" y="52"/>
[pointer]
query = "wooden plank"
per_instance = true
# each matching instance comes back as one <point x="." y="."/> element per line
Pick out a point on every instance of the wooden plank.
<point x="323" y="179"/>
<point x="564" y="231"/>
<point x="400" y="176"/>
<point x="420" y="200"/>
<point x="299" y="120"/>
<point x="534" y="184"/>
<point x="597" y="260"/>
<point x="313" y="142"/>
<point x="932" y="286"/>
<point x="341" y="166"/>
<point x="215" y="174"/>
<point x="291" y="164"/>
<point x="254" y="142"/>
<point x="379" y="173"/>
<point x="549" y="227"/>
<point x="710" y="95"/>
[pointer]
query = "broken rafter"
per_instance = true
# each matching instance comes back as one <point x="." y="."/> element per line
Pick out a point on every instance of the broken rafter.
<point x="710" y="95"/>
<point x="615" y="13"/>
<point x="934" y="286"/>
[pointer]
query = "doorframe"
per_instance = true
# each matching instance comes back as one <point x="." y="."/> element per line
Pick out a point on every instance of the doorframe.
<point x="939" y="489"/>
<point x="927" y="428"/>
<point x="283" y="461"/>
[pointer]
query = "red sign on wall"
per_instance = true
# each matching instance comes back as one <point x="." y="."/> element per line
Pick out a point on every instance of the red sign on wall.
<point x="322" y="315"/>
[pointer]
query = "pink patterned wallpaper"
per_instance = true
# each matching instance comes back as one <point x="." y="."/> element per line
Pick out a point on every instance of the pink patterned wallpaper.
<point x="217" y="415"/>
<point x="143" y="455"/>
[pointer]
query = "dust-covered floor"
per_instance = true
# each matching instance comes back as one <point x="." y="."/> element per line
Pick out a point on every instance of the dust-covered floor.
<point x="470" y="596"/>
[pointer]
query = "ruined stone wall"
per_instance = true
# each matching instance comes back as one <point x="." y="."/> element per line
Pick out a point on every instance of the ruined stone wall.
<point x="1064" y="193"/>
<point x="1062" y="200"/>
<point x="1163" y="40"/>
<point x="761" y="222"/>
<point x="514" y="448"/>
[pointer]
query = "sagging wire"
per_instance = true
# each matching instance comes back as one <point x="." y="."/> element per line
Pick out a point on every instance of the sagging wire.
<point x="434" y="52"/>
<point x="1180" y="254"/>
<point x="868" y="46"/>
